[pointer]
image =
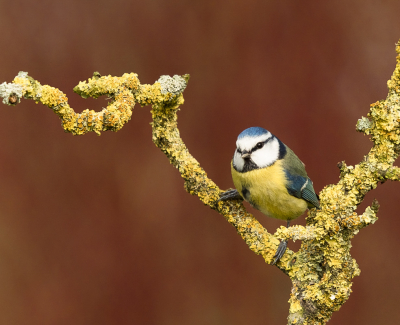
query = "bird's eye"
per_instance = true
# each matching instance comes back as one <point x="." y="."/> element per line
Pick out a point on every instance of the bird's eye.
<point x="260" y="145"/>
<point x="238" y="150"/>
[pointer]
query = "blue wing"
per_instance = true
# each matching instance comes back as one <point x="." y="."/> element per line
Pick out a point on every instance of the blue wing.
<point x="302" y="188"/>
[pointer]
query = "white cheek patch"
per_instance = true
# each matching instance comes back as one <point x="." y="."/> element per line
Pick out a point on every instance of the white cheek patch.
<point x="267" y="155"/>
<point x="248" y="143"/>
<point x="238" y="161"/>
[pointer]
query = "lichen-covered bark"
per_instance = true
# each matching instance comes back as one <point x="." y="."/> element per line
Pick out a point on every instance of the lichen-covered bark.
<point x="323" y="269"/>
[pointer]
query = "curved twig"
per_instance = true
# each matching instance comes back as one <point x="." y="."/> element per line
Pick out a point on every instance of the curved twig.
<point x="322" y="270"/>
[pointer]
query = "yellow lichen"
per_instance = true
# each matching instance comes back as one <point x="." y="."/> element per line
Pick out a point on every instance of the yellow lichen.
<point x="323" y="269"/>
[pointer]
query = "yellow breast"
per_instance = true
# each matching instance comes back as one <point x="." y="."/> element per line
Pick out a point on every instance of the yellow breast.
<point x="265" y="189"/>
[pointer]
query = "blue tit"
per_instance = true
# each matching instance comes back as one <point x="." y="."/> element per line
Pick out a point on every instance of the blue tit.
<point x="268" y="175"/>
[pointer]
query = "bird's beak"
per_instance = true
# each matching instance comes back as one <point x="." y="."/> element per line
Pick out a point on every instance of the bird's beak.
<point x="246" y="155"/>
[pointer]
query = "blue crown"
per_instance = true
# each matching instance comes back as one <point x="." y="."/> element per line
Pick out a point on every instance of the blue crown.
<point x="254" y="131"/>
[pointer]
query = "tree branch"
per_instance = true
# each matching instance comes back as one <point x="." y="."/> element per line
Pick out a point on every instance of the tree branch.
<point x="322" y="270"/>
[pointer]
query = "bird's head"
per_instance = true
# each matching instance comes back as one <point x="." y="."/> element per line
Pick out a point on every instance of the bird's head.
<point x="255" y="148"/>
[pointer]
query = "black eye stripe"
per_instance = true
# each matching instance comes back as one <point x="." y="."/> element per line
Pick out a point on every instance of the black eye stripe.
<point x="256" y="146"/>
<point x="263" y="144"/>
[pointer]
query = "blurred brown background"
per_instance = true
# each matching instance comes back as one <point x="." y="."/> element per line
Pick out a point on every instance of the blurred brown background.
<point x="99" y="230"/>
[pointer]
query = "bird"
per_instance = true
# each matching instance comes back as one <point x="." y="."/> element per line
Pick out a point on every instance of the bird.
<point x="268" y="174"/>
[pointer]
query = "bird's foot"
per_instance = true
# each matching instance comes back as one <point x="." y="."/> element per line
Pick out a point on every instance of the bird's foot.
<point x="230" y="195"/>
<point x="280" y="251"/>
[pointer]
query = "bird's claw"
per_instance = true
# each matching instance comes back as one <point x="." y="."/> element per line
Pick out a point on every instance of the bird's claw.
<point x="280" y="251"/>
<point x="230" y="195"/>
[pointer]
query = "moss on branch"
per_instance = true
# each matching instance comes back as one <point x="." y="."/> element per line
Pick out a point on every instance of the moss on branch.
<point x="323" y="269"/>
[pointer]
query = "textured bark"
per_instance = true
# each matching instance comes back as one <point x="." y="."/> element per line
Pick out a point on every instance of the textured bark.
<point x="323" y="269"/>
